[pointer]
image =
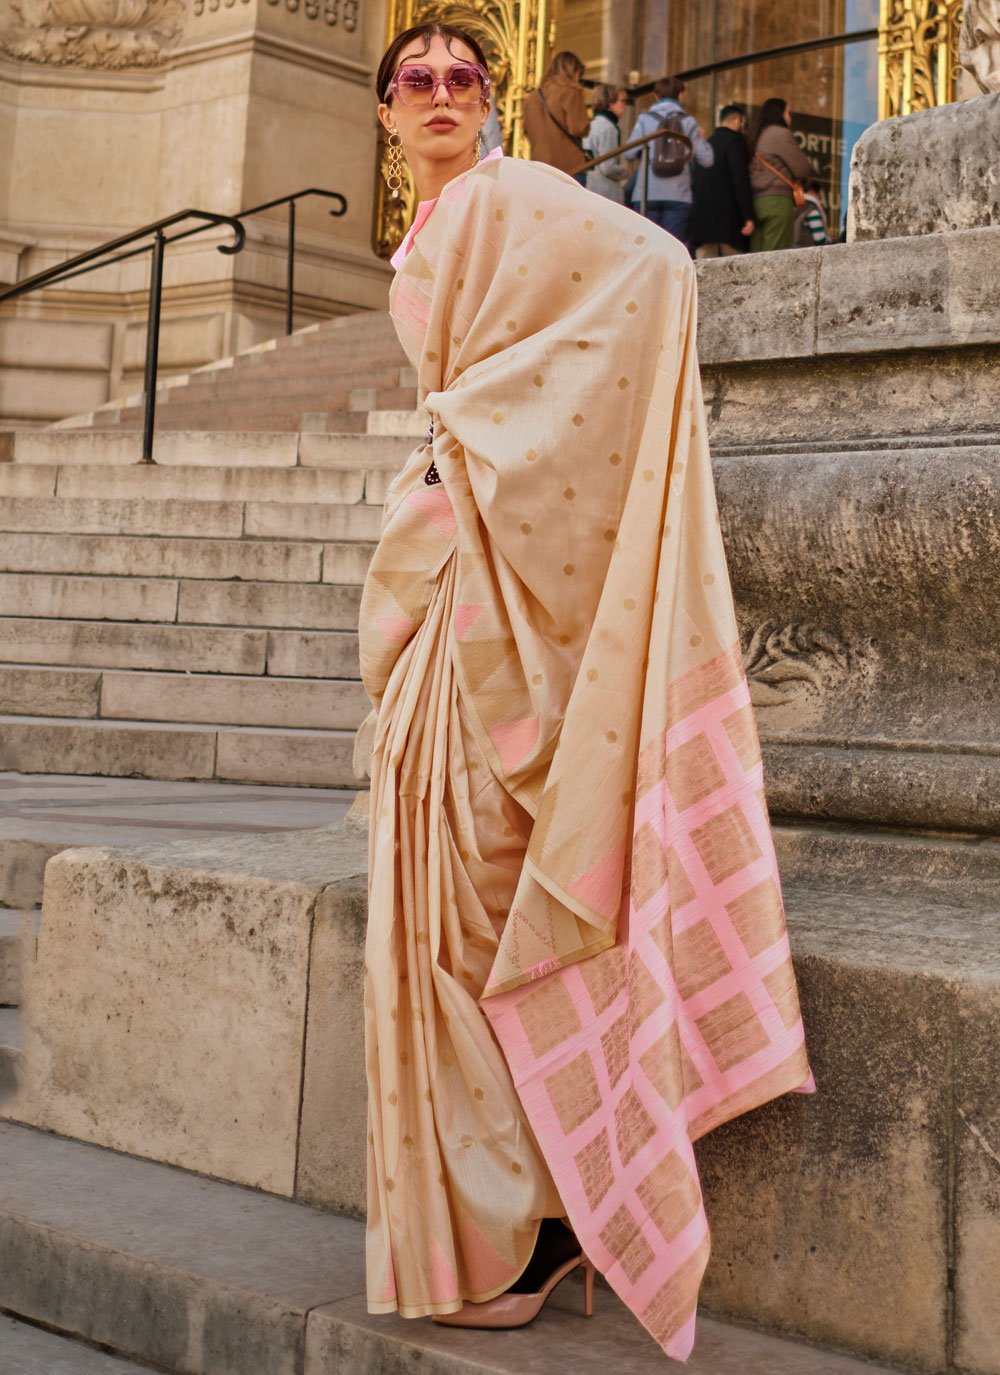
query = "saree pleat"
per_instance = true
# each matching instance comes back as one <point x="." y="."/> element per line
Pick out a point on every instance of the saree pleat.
<point x="456" y="1182"/>
<point x="575" y="918"/>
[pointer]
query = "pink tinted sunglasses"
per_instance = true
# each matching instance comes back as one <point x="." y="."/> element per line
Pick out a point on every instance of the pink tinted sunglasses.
<point x="415" y="84"/>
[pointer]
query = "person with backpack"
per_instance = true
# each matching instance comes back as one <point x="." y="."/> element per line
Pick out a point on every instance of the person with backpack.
<point x="668" y="193"/>
<point x="604" y="136"/>
<point x="777" y="169"/>
<point x="556" y="118"/>
<point x="722" y="220"/>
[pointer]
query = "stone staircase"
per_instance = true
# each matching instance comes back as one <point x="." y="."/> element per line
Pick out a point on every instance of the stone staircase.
<point x="323" y="377"/>
<point x="196" y="618"/>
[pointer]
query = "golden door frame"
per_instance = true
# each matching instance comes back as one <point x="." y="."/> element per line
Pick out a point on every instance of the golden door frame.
<point x="516" y="38"/>
<point x="918" y="64"/>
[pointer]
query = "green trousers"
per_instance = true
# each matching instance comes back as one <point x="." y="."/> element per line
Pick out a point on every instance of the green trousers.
<point x="774" y="223"/>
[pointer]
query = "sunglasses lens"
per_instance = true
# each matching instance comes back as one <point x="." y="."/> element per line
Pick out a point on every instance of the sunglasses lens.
<point x="414" y="85"/>
<point x="465" y="85"/>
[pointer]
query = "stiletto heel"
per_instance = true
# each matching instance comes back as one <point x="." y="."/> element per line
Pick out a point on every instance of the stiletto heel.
<point x="517" y="1310"/>
<point x="589" y="1271"/>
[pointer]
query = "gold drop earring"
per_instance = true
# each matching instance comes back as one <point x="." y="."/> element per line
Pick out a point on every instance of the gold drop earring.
<point x="478" y="154"/>
<point x="394" y="172"/>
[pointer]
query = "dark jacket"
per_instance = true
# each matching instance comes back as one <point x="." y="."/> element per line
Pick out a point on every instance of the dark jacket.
<point x="723" y="201"/>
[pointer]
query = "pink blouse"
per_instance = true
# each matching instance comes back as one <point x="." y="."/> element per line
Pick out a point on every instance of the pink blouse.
<point x="420" y="218"/>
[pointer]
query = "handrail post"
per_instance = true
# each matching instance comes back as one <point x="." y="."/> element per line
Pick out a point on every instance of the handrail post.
<point x="645" y="179"/>
<point x="152" y="345"/>
<point x="290" y="297"/>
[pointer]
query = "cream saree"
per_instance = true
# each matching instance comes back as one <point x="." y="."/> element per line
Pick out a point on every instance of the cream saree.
<point x="577" y="961"/>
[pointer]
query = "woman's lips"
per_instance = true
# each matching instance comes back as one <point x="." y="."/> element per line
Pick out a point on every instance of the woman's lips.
<point x="442" y="122"/>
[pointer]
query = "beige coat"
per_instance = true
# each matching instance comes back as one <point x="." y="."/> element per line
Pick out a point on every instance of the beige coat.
<point x="568" y="105"/>
<point x="780" y="147"/>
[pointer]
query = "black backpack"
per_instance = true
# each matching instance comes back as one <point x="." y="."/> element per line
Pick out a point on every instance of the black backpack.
<point x="673" y="150"/>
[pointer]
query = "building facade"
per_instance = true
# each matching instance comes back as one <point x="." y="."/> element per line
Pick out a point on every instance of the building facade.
<point x="116" y="112"/>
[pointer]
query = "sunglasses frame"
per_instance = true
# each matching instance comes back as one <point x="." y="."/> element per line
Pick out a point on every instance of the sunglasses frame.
<point x="483" y="74"/>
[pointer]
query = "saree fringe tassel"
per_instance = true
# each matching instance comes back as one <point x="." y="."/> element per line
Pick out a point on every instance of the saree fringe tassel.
<point x="577" y="959"/>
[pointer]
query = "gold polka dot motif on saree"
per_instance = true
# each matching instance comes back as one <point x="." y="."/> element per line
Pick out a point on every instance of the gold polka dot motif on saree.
<point x="569" y="493"/>
<point x="614" y="459"/>
<point x="578" y="420"/>
<point x="623" y="384"/>
<point x="592" y="675"/>
<point x="569" y="569"/>
<point x="525" y="527"/>
<point x="538" y="380"/>
<point x="497" y="417"/>
<point x="583" y="344"/>
<point x="576" y="276"/>
<point x="631" y="307"/>
<point x="530" y="456"/>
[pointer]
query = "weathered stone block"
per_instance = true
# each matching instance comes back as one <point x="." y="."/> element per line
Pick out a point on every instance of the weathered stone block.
<point x="304" y="521"/>
<point x="977" y="1178"/>
<point x="927" y="172"/>
<point x="49" y="692"/>
<point x="758" y="306"/>
<point x="914" y="293"/>
<point x="302" y="704"/>
<point x="313" y="654"/>
<point x="180" y="1037"/>
<point x="288" y="605"/>
<point x="320" y="759"/>
<point x="334" y="1092"/>
<point x="110" y="748"/>
<point x="196" y="649"/>
<point x="111" y="599"/>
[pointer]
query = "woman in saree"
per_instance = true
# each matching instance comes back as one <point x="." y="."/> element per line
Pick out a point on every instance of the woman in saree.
<point x="576" y="961"/>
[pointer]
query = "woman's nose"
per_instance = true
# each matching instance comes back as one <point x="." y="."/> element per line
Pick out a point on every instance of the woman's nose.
<point x="441" y="85"/>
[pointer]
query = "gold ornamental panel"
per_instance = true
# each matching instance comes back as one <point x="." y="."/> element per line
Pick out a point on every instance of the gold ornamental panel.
<point x="516" y="39"/>
<point x="918" y="54"/>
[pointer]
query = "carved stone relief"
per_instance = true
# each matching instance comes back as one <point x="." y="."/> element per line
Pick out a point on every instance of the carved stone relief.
<point x="979" y="43"/>
<point x="789" y="663"/>
<point x="332" y="12"/>
<point x="93" y="33"/>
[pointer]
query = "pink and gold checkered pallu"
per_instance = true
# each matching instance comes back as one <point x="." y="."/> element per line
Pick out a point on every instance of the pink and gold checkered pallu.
<point x="568" y="829"/>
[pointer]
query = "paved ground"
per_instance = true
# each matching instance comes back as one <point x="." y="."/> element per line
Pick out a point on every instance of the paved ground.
<point x="75" y="810"/>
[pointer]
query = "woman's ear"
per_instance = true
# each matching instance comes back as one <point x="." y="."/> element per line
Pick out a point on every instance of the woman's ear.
<point x="385" y="117"/>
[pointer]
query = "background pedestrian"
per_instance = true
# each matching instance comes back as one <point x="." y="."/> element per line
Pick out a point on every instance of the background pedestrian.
<point x="722" y="219"/>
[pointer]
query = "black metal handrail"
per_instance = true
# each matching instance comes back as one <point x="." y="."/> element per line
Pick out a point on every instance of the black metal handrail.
<point x="106" y="254"/>
<point x="290" y="202"/>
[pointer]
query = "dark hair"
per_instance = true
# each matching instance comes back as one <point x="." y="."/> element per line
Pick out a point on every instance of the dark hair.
<point x="566" y="64"/>
<point x="605" y="96"/>
<point x="771" y="112"/>
<point x="728" y="111"/>
<point x="668" y="88"/>
<point x="450" y="34"/>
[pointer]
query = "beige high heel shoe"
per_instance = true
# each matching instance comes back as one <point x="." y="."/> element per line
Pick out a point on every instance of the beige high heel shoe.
<point x="517" y="1310"/>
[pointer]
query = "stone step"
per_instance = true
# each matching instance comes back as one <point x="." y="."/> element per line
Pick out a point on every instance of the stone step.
<point x="179" y="648"/>
<point x="166" y="557"/>
<point x="43" y="814"/>
<point x="29" y="1350"/>
<point x="124" y="516"/>
<point x="159" y="750"/>
<point x="152" y="482"/>
<point x="217" y="699"/>
<point x="862" y="1217"/>
<point x="300" y="520"/>
<point x="300" y="703"/>
<point x="353" y="452"/>
<point x="210" y="1279"/>
<point x="408" y="422"/>
<point x="100" y="599"/>
<point x="314" y="606"/>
